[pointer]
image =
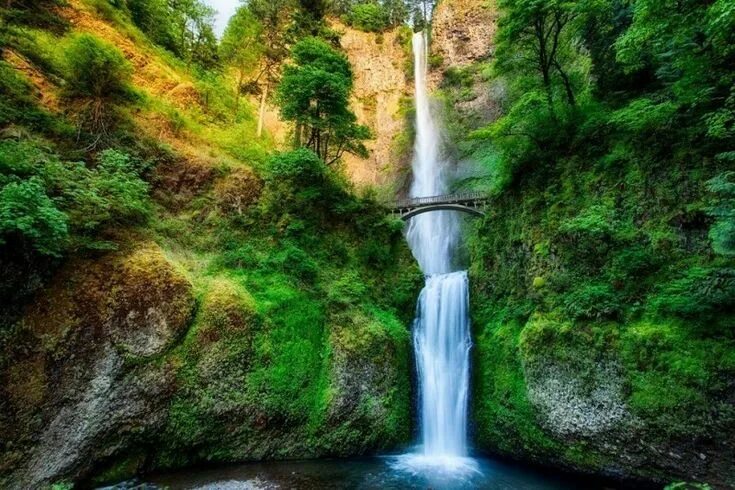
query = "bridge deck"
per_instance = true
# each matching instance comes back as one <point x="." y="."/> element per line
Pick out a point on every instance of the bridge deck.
<point x="461" y="198"/>
<point x="468" y="202"/>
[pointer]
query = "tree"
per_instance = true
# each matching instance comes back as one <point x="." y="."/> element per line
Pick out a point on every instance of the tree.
<point x="536" y="32"/>
<point x="184" y="27"/>
<point x="314" y="94"/>
<point x="242" y="48"/>
<point x="192" y="21"/>
<point x="151" y="16"/>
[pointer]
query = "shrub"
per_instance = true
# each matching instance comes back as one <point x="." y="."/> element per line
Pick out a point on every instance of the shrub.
<point x="95" y="69"/>
<point x="302" y="166"/>
<point x="53" y="204"/>
<point x="298" y="183"/>
<point x="29" y="214"/>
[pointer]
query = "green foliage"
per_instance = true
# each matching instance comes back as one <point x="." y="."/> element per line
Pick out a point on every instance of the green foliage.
<point x="62" y="486"/>
<point x="699" y="293"/>
<point x="644" y="115"/>
<point x="240" y="45"/>
<point x="286" y="284"/>
<point x="373" y="15"/>
<point x="26" y="211"/>
<point x="612" y="212"/>
<point x="53" y="205"/>
<point x="95" y="69"/>
<point x="536" y="35"/>
<point x="36" y="13"/>
<point x="299" y="168"/>
<point x="368" y="17"/>
<point x="593" y="302"/>
<point x="688" y="486"/>
<point x="722" y="232"/>
<point x="184" y="27"/>
<point x="314" y="94"/>
<point x="18" y="106"/>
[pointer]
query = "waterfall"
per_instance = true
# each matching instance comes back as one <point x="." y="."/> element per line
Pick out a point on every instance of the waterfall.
<point x="441" y="328"/>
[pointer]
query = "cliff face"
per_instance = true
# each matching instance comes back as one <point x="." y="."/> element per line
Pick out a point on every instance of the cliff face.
<point x="463" y="32"/>
<point x="379" y="64"/>
<point x="462" y="51"/>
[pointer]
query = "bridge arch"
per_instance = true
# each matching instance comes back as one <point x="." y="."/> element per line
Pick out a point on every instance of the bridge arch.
<point x="473" y="203"/>
<point x="441" y="207"/>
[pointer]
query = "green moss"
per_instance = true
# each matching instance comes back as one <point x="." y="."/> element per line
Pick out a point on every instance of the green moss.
<point x="505" y="417"/>
<point x="677" y="380"/>
<point x="674" y="383"/>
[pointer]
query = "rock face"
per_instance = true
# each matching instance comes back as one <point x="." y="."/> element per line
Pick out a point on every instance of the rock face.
<point x="234" y="405"/>
<point x="462" y="45"/>
<point x="568" y="407"/>
<point x="370" y="369"/>
<point x="378" y="62"/>
<point x="74" y="391"/>
<point x="462" y="33"/>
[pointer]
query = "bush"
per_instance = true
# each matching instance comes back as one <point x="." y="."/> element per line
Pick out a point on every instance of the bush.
<point x="95" y="69"/>
<point x="29" y="214"/>
<point x="51" y="204"/>
<point x="302" y="166"/>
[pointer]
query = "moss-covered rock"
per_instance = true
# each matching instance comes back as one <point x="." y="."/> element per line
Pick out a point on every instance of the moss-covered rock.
<point x="645" y="400"/>
<point x="80" y="381"/>
<point x="251" y="388"/>
<point x="237" y="191"/>
<point x="369" y="388"/>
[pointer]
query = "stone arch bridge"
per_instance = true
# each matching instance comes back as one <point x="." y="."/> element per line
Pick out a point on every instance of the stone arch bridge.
<point x="473" y="203"/>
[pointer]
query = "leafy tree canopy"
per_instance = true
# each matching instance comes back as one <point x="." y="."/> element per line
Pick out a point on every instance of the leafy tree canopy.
<point x="314" y="94"/>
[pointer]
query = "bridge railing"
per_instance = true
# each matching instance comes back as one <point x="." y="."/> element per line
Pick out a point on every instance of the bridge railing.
<point x="443" y="199"/>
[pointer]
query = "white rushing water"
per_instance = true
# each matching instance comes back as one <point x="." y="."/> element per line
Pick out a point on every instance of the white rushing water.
<point x="441" y="329"/>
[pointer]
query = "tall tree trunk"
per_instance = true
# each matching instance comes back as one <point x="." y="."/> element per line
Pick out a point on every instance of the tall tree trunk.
<point x="238" y="89"/>
<point x="544" y="63"/>
<point x="261" y="113"/>
<point x="297" y="136"/>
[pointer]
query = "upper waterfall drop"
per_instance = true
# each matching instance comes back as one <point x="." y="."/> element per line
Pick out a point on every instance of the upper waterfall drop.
<point x="432" y="237"/>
